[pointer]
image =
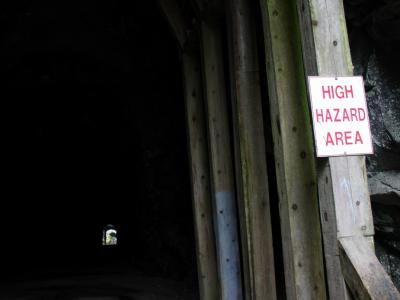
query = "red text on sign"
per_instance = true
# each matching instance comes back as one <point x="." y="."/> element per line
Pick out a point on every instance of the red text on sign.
<point x="338" y="91"/>
<point x="343" y="138"/>
<point x="340" y="114"/>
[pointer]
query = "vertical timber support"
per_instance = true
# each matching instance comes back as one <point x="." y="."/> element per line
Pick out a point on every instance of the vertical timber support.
<point x="198" y="154"/>
<point x="200" y="174"/>
<point x="254" y="200"/>
<point x="342" y="181"/>
<point x="223" y="188"/>
<point x="294" y="154"/>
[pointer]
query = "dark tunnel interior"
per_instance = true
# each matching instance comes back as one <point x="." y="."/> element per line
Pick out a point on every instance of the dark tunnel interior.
<point x="94" y="134"/>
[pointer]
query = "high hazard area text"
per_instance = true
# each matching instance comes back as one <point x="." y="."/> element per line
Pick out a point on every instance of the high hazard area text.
<point x="340" y="116"/>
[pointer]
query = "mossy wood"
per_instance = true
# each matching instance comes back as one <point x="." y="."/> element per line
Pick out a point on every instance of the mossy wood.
<point x="200" y="175"/>
<point x="342" y="181"/>
<point x="254" y="203"/>
<point x="294" y="154"/>
<point x="223" y="186"/>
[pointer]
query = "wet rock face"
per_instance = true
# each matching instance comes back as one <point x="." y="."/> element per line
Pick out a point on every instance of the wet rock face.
<point x="383" y="103"/>
<point x="385" y="187"/>
<point x="374" y="34"/>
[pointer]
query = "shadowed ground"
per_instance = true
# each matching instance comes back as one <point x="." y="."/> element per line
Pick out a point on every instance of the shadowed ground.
<point x="106" y="283"/>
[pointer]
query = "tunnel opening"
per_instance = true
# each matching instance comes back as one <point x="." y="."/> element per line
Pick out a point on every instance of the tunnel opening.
<point x="95" y="135"/>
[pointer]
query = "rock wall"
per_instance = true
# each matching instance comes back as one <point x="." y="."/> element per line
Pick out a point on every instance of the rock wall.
<point x="374" y="33"/>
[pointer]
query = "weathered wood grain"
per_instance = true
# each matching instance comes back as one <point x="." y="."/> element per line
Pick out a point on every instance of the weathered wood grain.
<point x="200" y="177"/>
<point x="252" y="165"/>
<point x="223" y="187"/>
<point x="294" y="154"/>
<point x="363" y="272"/>
<point x="335" y="281"/>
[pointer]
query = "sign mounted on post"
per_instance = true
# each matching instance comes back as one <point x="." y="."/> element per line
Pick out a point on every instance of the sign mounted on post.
<point x="340" y="116"/>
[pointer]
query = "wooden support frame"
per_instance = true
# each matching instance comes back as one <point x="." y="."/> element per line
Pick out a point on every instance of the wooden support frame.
<point x="294" y="154"/>
<point x="342" y="182"/>
<point x="253" y="194"/>
<point x="345" y="209"/>
<point x="223" y="188"/>
<point x="198" y="154"/>
<point x="200" y="175"/>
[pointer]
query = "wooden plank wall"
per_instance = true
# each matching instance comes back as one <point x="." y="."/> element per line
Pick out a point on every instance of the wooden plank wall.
<point x="294" y="154"/>
<point x="342" y="184"/>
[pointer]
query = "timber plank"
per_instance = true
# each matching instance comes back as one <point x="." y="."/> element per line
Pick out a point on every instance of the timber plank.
<point x="293" y="148"/>
<point x="252" y="164"/>
<point x="364" y="273"/>
<point x="336" y="285"/>
<point x="223" y="188"/>
<point x="200" y="178"/>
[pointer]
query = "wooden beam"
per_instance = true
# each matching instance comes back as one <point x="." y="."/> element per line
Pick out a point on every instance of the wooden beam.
<point x="326" y="53"/>
<point x="336" y="284"/>
<point x="324" y="57"/>
<point x="223" y="189"/>
<point x="294" y="153"/>
<point x="342" y="181"/>
<point x="246" y="262"/>
<point x="200" y="175"/>
<point x="254" y="203"/>
<point x="363" y="272"/>
<point x="176" y="20"/>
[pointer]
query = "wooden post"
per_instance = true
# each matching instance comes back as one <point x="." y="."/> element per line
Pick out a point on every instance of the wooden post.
<point x="200" y="174"/>
<point x="223" y="188"/>
<point x="294" y="154"/>
<point x="342" y="181"/>
<point x="255" y="223"/>
<point x="326" y="53"/>
<point x="198" y="155"/>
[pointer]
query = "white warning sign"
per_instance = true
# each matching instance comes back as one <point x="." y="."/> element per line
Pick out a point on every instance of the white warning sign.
<point x="340" y="116"/>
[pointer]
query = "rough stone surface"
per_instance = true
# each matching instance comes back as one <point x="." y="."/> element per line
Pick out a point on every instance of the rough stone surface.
<point x="384" y="109"/>
<point x="374" y="33"/>
<point x="384" y="187"/>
